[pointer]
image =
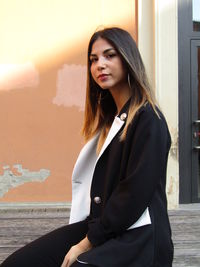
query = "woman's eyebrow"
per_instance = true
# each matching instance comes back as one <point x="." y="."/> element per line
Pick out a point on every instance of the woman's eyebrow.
<point x="104" y="52"/>
<point x="107" y="50"/>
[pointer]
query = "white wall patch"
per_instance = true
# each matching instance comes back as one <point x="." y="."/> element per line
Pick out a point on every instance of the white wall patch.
<point x="71" y="86"/>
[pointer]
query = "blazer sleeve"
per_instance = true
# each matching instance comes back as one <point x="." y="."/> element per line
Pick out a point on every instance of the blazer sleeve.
<point x="146" y="168"/>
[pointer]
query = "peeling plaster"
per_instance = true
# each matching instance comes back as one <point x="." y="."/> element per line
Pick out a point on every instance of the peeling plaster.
<point x="9" y="180"/>
<point x="71" y="86"/>
<point x="172" y="187"/>
<point x="174" y="146"/>
<point x="172" y="192"/>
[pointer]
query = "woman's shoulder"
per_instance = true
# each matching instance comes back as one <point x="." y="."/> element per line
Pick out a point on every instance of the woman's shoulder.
<point x="151" y="120"/>
<point x="147" y="110"/>
<point x="151" y="117"/>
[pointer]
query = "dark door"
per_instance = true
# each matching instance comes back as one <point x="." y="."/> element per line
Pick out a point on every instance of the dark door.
<point x="195" y="98"/>
<point x="189" y="100"/>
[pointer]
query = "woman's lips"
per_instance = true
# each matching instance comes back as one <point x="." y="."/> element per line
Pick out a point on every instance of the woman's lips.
<point x="103" y="77"/>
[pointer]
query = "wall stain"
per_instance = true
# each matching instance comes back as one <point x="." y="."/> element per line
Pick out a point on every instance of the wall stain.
<point x="10" y="180"/>
<point x="175" y="141"/>
<point x="170" y="186"/>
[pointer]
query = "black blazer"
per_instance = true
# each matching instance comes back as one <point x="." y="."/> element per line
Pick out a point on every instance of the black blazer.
<point x="130" y="176"/>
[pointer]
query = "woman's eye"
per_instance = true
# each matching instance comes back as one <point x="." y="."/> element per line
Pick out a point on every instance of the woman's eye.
<point x="93" y="59"/>
<point x="110" y="55"/>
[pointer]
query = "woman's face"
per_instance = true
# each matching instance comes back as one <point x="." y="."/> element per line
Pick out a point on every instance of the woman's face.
<point x="107" y="68"/>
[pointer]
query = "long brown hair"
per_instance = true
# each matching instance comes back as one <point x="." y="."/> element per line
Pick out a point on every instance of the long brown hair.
<point x="100" y="108"/>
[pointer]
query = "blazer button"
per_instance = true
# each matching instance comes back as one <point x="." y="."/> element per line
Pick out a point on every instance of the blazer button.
<point x="123" y="116"/>
<point x="97" y="200"/>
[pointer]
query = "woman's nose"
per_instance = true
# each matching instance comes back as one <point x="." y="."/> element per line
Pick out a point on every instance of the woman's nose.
<point x="101" y="64"/>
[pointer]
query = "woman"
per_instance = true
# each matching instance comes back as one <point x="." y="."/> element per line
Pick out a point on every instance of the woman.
<point x="119" y="207"/>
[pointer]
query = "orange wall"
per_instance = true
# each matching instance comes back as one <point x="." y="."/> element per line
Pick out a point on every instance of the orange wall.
<point x="42" y="89"/>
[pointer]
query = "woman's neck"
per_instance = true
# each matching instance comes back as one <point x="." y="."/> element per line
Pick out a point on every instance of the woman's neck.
<point x="120" y="96"/>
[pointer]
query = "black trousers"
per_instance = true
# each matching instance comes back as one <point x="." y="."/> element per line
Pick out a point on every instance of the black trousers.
<point x="50" y="249"/>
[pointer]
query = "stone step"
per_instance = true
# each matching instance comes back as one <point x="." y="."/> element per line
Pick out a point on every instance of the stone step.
<point x="19" y="227"/>
<point x="185" y="224"/>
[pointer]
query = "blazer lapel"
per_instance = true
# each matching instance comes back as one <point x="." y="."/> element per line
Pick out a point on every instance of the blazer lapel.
<point x="116" y="126"/>
<point x="81" y="181"/>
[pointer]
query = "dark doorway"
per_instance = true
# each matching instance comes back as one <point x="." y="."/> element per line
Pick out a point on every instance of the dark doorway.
<point x="189" y="100"/>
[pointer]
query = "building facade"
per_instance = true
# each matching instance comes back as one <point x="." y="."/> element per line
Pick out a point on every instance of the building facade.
<point x="42" y="90"/>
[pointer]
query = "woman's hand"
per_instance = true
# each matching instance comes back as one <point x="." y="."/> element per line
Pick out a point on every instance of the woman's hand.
<point x="83" y="246"/>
